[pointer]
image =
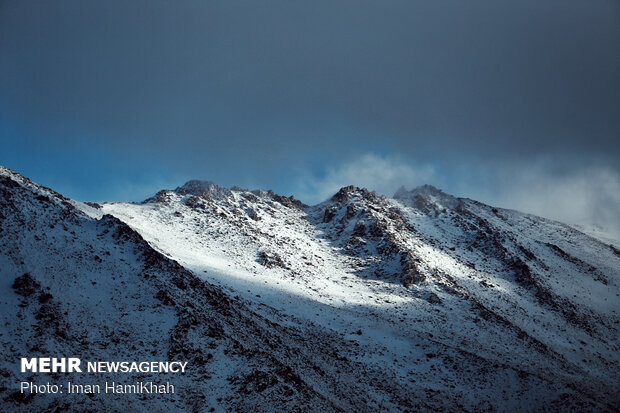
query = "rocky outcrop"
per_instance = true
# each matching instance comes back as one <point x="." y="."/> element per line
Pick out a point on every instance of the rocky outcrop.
<point x="204" y="189"/>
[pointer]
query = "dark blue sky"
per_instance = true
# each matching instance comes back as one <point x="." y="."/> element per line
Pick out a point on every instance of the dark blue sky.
<point x="115" y="100"/>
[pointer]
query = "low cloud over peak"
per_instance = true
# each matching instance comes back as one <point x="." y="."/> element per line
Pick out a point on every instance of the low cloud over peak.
<point x="587" y="196"/>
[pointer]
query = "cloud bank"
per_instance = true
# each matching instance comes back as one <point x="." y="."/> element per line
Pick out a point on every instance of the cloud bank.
<point x="587" y="196"/>
<point x="382" y="174"/>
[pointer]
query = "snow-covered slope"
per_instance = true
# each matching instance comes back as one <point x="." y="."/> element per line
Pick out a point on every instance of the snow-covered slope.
<point x="422" y="301"/>
<point x="71" y="285"/>
<point x="487" y="307"/>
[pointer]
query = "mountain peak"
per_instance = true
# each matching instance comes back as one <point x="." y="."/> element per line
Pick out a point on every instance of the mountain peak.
<point x="207" y="189"/>
<point x="346" y="193"/>
<point x="11" y="174"/>
<point x="427" y="196"/>
<point x="423" y="190"/>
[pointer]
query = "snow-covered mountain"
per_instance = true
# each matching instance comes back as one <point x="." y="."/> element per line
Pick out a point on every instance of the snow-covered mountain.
<point x="422" y="301"/>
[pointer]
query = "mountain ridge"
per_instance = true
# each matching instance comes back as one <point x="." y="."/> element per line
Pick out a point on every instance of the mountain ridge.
<point x="443" y="299"/>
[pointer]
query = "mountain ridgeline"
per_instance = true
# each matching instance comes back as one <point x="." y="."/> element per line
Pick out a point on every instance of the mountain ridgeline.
<point x="419" y="302"/>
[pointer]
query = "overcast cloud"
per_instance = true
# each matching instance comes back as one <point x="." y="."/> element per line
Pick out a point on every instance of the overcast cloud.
<point x="514" y="102"/>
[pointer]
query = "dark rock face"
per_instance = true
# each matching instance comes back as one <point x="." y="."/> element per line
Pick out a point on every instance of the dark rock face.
<point x="271" y="259"/>
<point x="94" y="205"/>
<point x="523" y="275"/>
<point x="290" y="201"/>
<point x="329" y="214"/>
<point x="162" y="196"/>
<point x="25" y="285"/>
<point x="410" y="274"/>
<point x="204" y="189"/>
<point x="347" y="193"/>
<point x="194" y="202"/>
<point x="253" y="214"/>
<point x="360" y="229"/>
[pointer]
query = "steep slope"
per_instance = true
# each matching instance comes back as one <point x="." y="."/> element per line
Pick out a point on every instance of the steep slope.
<point x="479" y="307"/>
<point x="72" y="285"/>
